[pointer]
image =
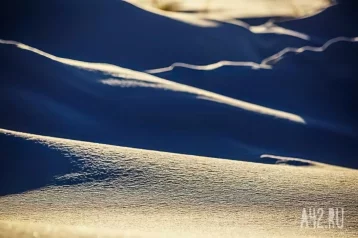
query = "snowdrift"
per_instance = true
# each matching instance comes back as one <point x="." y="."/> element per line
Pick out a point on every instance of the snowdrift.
<point x="232" y="129"/>
<point x="112" y="105"/>
<point x="119" y="33"/>
<point x="134" y="190"/>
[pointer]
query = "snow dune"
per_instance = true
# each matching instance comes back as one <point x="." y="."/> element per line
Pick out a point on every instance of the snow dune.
<point x="239" y="8"/>
<point x="132" y="191"/>
<point x="94" y="145"/>
<point x="92" y="36"/>
<point x="162" y="83"/>
<point x="134" y="118"/>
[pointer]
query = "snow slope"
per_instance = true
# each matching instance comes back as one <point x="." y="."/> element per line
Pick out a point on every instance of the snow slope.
<point x="120" y="33"/>
<point x="241" y="8"/>
<point x="135" y="190"/>
<point x="110" y="106"/>
<point x="234" y="126"/>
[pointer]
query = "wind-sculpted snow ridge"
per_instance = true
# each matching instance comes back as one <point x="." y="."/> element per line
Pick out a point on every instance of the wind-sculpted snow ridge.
<point x="208" y="67"/>
<point x="283" y="160"/>
<point x="131" y="74"/>
<point x="162" y="194"/>
<point x="267" y="63"/>
<point x="136" y="78"/>
<point x="171" y="39"/>
<point x="94" y="102"/>
<point x="280" y="55"/>
<point x="204" y="10"/>
<point x="268" y="28"/>
<point x="212" y="20"/>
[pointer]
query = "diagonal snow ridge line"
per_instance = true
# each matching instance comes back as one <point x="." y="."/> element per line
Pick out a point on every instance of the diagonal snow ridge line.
<point x="163" y="83"/>
<point x="128" y="74"/>
<point x="160" y="83"/>
<point x="268" y="28"/>
<point x="286" y="160"/>
<point x="265" y="64"/>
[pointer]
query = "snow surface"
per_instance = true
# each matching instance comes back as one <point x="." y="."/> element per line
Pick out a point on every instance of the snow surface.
<point x="123" y="120"/>
<point x="237" y="8"/>
<point x="171" y="195"/>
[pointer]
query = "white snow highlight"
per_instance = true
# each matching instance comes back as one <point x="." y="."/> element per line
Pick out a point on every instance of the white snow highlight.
<point x="269" y="28"/>
<point x="162" y="83"/>
<point x="230" y="9"/>
<point x="265" y="64"/>
<point x="280" y="55"/>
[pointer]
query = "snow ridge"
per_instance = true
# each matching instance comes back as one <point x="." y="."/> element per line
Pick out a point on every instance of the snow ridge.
<point x="267" y="63"/>
<point x="163" y="83"/>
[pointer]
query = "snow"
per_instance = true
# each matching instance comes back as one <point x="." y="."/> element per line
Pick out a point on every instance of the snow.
<point x="121" y="120"/>
<point x="241" y="8"/>
<point x="135" y="190"/>
<point x="265" y="64"/>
